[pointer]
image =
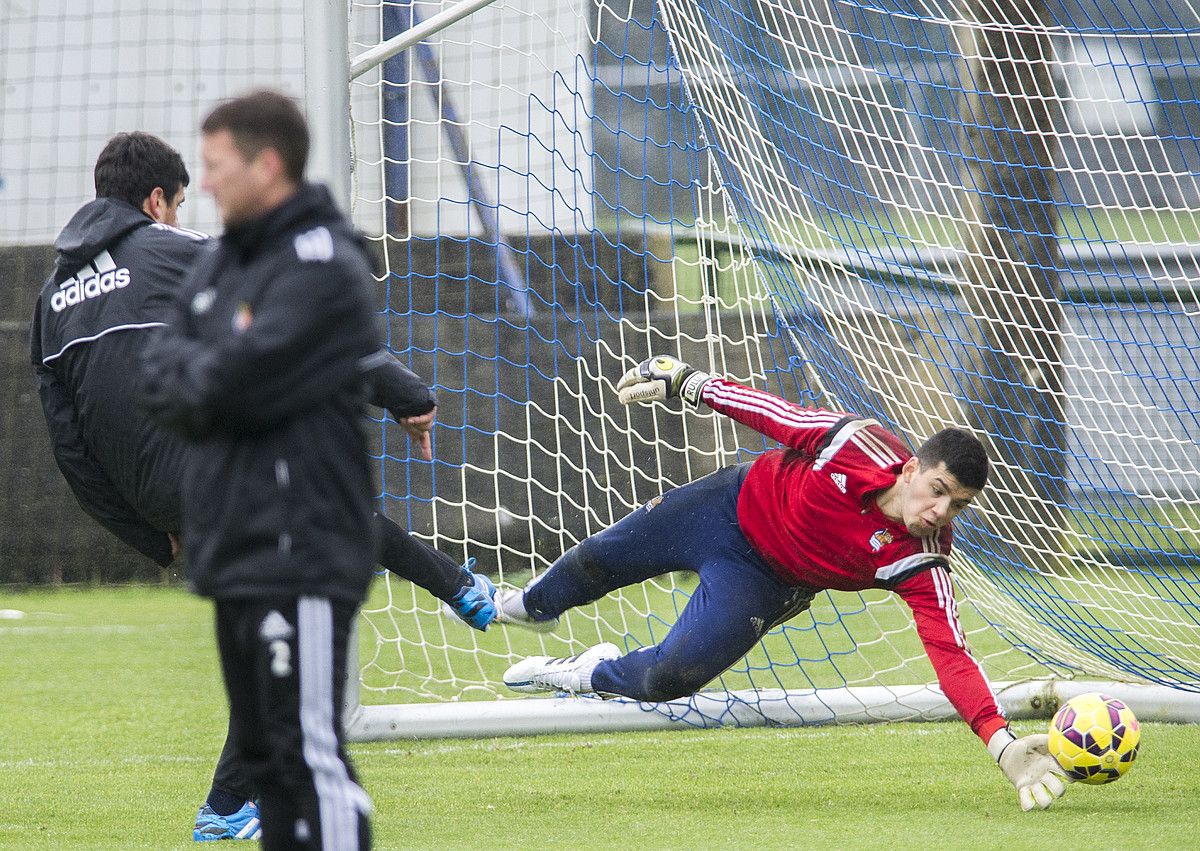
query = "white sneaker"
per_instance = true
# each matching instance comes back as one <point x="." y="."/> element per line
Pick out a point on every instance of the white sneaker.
<point x="546" y="673"/>
<point x="510" y="611"/>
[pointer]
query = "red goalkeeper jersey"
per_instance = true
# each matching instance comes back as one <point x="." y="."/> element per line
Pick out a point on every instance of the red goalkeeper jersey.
<point x="810" y="511"/>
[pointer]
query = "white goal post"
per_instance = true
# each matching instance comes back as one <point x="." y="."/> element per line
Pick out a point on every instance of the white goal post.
<point x="842" y="204"/>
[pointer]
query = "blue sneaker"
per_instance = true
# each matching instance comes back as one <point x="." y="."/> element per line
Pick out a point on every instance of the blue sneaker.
<point x="244" y="824"/>
<point x="474" y="604"/>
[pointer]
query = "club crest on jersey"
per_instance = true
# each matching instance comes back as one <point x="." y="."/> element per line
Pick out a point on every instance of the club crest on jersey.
<point x="839" y="481"/>
<point x="243" y="317"/>
<point x="880" y="539"/>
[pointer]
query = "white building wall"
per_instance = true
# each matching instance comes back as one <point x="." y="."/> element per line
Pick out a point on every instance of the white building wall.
<point x="75" y="72"/>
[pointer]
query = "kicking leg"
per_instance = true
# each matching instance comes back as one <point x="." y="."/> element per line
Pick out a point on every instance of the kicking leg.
<point x="467" y="595"/>
<point x="412" y="559"/>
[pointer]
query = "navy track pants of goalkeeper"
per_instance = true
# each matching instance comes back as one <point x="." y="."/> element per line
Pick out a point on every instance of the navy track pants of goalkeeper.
<point x="693" y="527"/>
<point x="284" y="660"/>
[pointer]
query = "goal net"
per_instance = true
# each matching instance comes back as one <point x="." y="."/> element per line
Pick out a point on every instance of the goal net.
<point x="978" y="213"/>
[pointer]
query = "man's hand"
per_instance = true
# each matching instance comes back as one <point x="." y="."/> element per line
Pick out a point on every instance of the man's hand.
<point x="418" y="429"/>
<point x="659" y="378"/>
<point x="1028" y="765"/>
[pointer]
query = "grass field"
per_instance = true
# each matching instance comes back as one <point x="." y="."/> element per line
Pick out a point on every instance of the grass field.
<point x="113" y="715"/>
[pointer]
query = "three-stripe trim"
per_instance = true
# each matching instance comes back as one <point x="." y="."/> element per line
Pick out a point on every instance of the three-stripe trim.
<point x="340" y="799"/>
<point x="782" y="412"/>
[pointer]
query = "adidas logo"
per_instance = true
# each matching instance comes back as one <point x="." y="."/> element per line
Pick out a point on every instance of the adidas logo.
<point x="274" y="627"/>
<point x="839" y="480"/>
<point x="314" y="246"/>
<point x="98" y="278"/>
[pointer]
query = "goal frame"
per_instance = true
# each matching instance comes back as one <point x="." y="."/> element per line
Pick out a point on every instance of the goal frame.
<point x="1029" y="700"/>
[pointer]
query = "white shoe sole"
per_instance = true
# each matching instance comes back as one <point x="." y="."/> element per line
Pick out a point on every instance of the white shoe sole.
<point x="531" y="625"/>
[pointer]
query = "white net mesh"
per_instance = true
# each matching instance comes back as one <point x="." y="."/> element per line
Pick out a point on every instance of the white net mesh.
<point x="930" y="213"/>
<point x="915" y="213"/>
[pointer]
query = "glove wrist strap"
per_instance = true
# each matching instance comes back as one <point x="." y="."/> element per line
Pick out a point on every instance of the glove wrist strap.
<point x="693" y="386"/>
<point x="1000" y="740"/>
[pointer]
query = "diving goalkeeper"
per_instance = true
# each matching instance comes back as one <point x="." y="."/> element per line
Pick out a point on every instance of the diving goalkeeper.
<point x="844" y="506"/>
<point x="120" y="262"/>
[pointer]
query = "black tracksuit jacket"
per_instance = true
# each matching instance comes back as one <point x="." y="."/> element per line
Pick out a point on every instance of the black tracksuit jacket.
<point x="116" y="279"/>
<point x="114" y="283"/>
<point x="263" y="367"/>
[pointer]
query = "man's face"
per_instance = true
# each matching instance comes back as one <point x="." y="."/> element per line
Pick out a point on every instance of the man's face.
<point x="163" y="209"/>
<point x="170" y="209"/>
<point x="236" y="184"/>
<point x="930" y="498"/>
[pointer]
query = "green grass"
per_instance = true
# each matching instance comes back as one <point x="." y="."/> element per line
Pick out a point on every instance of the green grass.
<point x="113" y="715"/>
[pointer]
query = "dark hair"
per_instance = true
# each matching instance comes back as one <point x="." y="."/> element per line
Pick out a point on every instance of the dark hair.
<point x="132" y="165"/>
<point x="961" y="452"/>
<point x="260" y="120"/>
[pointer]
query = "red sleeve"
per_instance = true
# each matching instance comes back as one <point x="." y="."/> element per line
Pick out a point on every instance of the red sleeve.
<point x="930" y="595"/>
<point x="792" y="425"/>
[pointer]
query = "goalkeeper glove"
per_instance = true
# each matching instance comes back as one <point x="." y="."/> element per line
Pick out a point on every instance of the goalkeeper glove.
<point x="1028" y="765"/>
<point x="659" y="378"/>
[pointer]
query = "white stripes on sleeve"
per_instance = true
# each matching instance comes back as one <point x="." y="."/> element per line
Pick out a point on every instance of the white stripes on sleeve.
<point x="945" y="595"/>
<point x="873" y="446"/>
<point x="765" y="404"/>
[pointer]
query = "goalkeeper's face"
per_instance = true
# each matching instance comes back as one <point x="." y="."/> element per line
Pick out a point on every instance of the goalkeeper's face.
<point x="930" y="497"/>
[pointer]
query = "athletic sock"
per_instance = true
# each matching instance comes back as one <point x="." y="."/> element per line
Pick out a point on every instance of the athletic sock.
<point x="224" y="803"/>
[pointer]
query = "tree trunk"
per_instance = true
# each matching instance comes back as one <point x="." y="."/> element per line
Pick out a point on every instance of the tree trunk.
<point x="1009" y="110"/>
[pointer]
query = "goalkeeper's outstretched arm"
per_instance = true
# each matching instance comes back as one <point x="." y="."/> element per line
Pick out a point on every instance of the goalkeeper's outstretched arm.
<point x="1025" y="761"/>
<point x="662" y="377"/>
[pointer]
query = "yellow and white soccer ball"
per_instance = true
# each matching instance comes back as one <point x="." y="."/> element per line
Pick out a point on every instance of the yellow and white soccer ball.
<point x="1094" y="738"/>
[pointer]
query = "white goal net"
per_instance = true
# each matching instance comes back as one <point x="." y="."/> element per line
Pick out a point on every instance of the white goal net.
<point x="978" y="214"/>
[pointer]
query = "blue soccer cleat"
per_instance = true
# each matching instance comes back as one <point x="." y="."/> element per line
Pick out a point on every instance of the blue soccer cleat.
<point x="211" y="826"/>
<point x="474" y="605"/>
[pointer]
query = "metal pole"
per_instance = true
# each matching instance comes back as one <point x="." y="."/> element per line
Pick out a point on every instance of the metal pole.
<point x="327" y="95"/>
<point x="367" y="60"/>
<point x="327" y="108"/>
<point x="477" y="194"/>
<point x="397" y="109"/>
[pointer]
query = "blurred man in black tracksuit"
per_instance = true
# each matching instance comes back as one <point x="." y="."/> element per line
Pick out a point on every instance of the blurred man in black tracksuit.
<point x="120" y="264"/>
<point x="264" y="369"/>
